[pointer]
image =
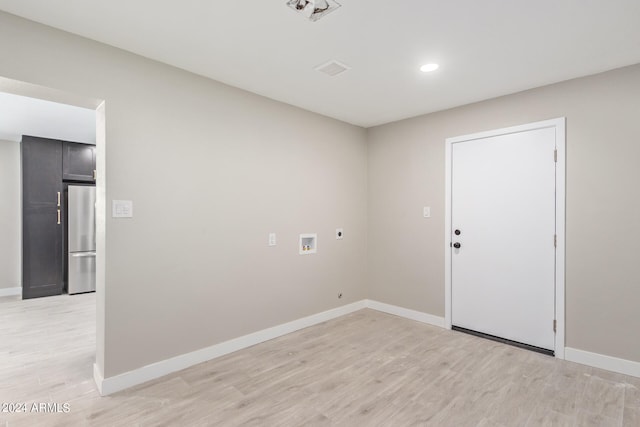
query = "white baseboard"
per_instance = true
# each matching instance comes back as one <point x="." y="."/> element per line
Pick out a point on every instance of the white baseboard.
<point x="97" y="377"/>
<point x="406" y="313"/>
<point x="8" y="292"/>
<point x="123" y="381"/>
<point x="609" y="363"/>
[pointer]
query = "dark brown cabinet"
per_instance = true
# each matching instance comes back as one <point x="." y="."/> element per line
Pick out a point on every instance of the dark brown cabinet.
<point x="78" y="162"/>
<point x="42" y="223"/>
<point x="47" y="166"/>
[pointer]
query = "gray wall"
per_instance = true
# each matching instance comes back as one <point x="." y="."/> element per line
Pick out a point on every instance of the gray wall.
<point x="406" y="172"/>
<point x="211" y="171"/>
<point x="10" y="215"/>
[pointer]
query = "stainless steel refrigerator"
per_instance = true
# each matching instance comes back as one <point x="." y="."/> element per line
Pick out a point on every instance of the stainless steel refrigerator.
<point x="82" y="239"/>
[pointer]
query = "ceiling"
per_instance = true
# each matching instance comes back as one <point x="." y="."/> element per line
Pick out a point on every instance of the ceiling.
<point x="485" y="48"/>
<point x="21" y="115"/>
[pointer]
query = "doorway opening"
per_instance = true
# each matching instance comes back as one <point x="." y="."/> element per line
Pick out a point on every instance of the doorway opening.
<point x="61" y="330"/>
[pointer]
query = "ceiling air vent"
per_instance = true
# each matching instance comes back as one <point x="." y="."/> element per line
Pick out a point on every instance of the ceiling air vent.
<point x="332" y="68"/>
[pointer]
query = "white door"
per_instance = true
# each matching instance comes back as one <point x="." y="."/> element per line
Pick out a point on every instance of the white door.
<point x="503" y="206"/>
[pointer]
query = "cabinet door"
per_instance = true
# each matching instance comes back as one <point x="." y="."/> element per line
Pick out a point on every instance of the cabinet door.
<point x="78" y="162"/>
<point x="42" y="220"/>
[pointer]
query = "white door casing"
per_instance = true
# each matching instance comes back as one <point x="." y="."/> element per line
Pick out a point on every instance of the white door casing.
<point x="505" y="193"/>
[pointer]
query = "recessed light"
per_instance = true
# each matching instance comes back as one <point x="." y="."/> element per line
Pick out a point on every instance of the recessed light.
<point x="427" y="68"/>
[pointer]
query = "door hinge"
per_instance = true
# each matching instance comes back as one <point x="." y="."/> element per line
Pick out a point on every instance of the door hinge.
<point x="555" y="155"/>
<point x="555" y="324"/>
<point x="555" y="240"/>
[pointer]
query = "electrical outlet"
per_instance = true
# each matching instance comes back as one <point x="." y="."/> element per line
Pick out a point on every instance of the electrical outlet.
<point x="339" y="233"/>
<point x="426" y="212"/>
<point x="272" y="239"/>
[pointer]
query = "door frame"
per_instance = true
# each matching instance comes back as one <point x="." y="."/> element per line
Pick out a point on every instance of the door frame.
<point x="559" y="125"/>
<point x="32" y="90"/>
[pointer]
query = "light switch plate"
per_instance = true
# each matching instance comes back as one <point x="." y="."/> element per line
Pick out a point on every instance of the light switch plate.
<point x="122" y="209"/>
<point x="426" y="212"/>
<point x="272" y="239"/>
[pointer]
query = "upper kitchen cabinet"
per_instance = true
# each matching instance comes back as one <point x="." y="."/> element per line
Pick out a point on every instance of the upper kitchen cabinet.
<point x="42" y="217"/>
<point x="78" y="162"/>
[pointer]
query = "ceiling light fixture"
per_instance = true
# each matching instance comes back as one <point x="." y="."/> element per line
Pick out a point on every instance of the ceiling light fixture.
<point x="427" y="68"/>
<point x="313" y="9"/>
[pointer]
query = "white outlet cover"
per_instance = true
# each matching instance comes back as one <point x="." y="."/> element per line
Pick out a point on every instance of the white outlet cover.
<point x="272" y="239"/>
<point x="426" y="212"/>
<point x="339" y="233"/>
<point x="122" y="209"/>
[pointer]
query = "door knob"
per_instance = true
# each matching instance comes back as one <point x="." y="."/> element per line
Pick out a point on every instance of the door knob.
<point x="457" y="245"/>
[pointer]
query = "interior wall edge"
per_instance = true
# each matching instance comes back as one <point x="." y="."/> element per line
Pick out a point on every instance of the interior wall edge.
<point x="10" y="218"/>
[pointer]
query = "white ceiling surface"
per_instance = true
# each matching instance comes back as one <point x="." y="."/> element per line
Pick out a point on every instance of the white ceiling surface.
<point x="485" y="48"/>
<point x="21" y="115"/>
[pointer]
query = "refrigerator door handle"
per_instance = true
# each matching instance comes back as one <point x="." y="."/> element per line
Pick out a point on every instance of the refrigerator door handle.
<point x="83" y="255"/>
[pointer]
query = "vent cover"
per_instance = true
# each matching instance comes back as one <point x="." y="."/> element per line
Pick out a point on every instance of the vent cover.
<point x="332" y="68"/>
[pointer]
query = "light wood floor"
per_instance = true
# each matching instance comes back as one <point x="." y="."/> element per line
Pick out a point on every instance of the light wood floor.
<point x="364" y="369"/>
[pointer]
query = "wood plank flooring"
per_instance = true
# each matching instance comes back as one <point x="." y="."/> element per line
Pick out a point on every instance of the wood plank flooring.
<point x="364" y="369"/>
